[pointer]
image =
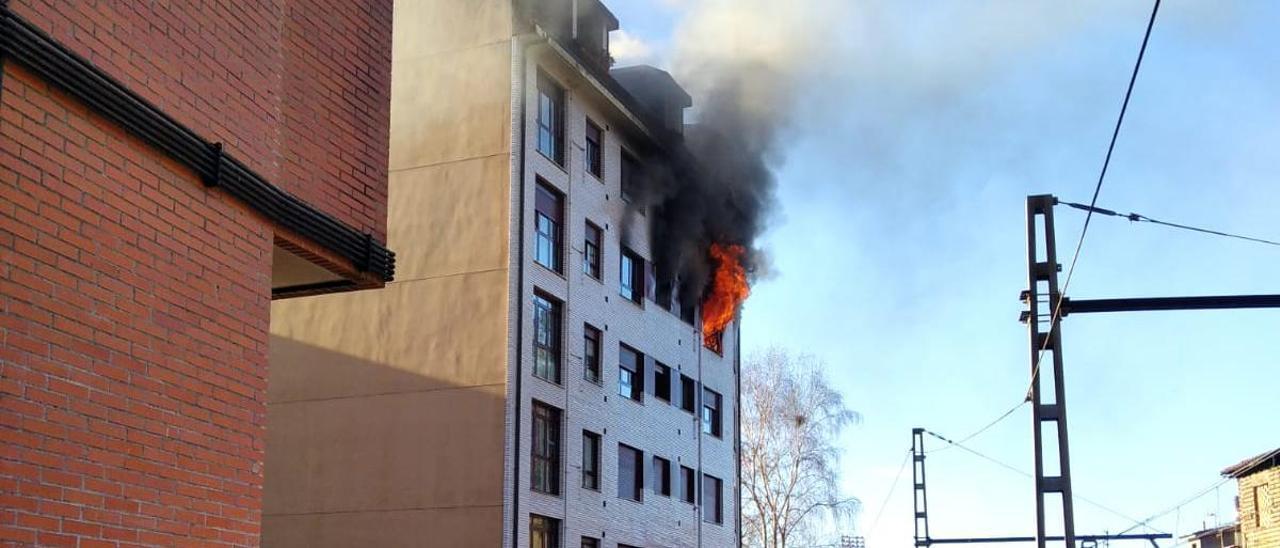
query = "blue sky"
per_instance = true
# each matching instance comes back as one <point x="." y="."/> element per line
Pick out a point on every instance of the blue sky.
<point x="898" y="246"/>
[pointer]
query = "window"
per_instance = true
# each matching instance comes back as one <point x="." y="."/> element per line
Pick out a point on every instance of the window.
<point x="591" y="353"/>
<point x="588" y="542"/>
<point x="590" y="460"/>
<point x="595" y="156"/>
<point x="688" y="394"/>
<point x="550" y="119"/>
<point x="630" y="373"/>
<point x="662" y="476"/>
<point x="546" y="449"/>
<point x="663" y="294"/>
<point x="1262" y="506"/>
<point x="549" y="210"/>
<point x="631" y="276"/>
<point x="630" y="473"/>
<point x="714" y="342"/>
<point x="591" y="251"/>
<point x="630" y="175"/>
<point x="712" y="509"/>
<point x="689" y="311"/>
<point x="688" y="485"/>
<point x="546" y="337"/>
<point x="544" y="532"/>
<point x="710" y="412"/>
<point x="662" y="382"/>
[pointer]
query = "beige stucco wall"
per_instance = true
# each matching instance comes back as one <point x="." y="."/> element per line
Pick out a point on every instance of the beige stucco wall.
<point x="363" y="386"/>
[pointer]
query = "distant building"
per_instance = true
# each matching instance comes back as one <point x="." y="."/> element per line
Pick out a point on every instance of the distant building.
<point x="1258" y="479"/>
<point x="1215" y="537"/>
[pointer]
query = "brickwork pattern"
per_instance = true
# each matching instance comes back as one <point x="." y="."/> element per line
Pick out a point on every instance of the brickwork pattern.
<point x="1256" y="529"/>
<point x="297" y="89"/>
<point x="135" y="315"/>
<point x="134" y="305"/>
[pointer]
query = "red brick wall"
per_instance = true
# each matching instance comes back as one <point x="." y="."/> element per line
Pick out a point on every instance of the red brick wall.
<point x="337" y="96"/>
<point x="135" y="310"/>
<point x="134" y="302"/>
<point x="297" y="89"/>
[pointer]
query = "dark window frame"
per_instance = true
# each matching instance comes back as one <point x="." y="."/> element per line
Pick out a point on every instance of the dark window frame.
<point x="631" y="276"/>
<point x="628" y="171"/>
<point x="637" y="478"/>
<point x="592" y="349"/>
<point x="545" y="449"/>
<point x="661" y="476"/>
<point x="591" y="448"/>
<point x="550" y="132"/>
<point x="662" y="381"/>
<point x="688" y="394"/>
<point x="594" y="150"/>
<point x="553" y="345"/>
<point x="590" y="542"/>
<point x="593" y="251"/>
<point x="712" y="415"/>
<point x="688" y="485"/>
<point x="635" y="379"/>
<point x="713" y="510"/>
<point x="548" y="227"/>
<point x="546" y="525"/>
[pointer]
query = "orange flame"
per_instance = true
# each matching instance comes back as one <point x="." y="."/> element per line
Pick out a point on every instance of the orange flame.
<point x="728" y="289"/>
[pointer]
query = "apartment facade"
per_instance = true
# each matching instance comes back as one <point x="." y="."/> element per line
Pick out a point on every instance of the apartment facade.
<point x="527" y="380"/>
<point x="166" y="171"/>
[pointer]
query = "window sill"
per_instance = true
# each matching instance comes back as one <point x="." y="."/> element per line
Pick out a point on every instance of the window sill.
<point x="639" y="304"/>
<point x="553" y="161"/>
<point x="551" y="270"/>
<point x="631" y="399"/>
<point x="548" y="381"/>
<point x="545" y="494"/>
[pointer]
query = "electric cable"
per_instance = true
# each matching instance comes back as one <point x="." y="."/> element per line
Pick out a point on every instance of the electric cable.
<point x="1140" y="218"/>
<point x="889" y="495"/>
<point x="1028" y="475"/>
<point x="980" y="430"/>
<point x="1097" y="189"/>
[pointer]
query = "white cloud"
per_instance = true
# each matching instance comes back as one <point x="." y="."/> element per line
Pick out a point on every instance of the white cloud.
<point x="629" y="50"/>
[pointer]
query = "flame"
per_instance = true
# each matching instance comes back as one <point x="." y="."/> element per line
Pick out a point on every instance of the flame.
<point x="728" y="289"/>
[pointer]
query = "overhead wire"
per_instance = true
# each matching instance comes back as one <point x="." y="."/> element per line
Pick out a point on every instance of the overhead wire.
<point x="1057" y="309"/>
<point x="1021" y="472"/>
<point x="889" y="495"/>
<point x="1093" y="202"/>
<point x="975" y="433"/>
<point x="1140" y="218"/>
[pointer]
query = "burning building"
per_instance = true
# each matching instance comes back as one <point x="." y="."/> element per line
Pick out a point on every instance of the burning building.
<point x="556" y="364"/>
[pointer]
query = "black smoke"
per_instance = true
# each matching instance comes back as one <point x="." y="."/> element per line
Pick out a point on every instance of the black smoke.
<point x="715" y="185"/>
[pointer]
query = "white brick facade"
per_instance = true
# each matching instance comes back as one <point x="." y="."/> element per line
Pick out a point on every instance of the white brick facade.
<point x="653" y="426"/>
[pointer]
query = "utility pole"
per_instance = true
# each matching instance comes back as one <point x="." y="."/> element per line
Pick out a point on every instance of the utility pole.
<point x="1049" y="416"/>
<point x="919" y="500"/>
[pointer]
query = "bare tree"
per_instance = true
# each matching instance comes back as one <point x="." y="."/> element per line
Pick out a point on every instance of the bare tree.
<point x="791" y="418"/>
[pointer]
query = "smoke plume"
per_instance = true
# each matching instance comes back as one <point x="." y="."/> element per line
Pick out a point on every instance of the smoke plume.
<point x="747" y="64"/>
